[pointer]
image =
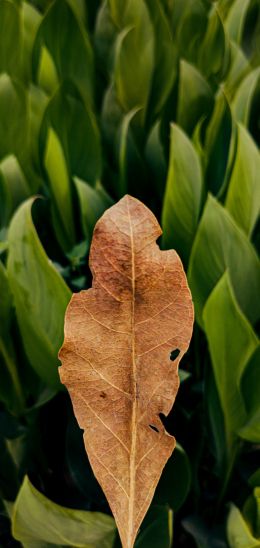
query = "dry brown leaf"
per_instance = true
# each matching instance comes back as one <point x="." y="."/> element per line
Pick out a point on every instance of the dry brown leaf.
<point x="116" y="357"/>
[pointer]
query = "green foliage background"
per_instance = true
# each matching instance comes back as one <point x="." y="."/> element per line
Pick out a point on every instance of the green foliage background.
<point x="159" y="99"/>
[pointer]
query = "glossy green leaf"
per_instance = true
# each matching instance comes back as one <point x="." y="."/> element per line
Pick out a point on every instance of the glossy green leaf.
<point x="16" y="183"/>
<point x="229" y="355"/>
<point x="61" y="190"/>
<point x="219" y="145"/>
<point x="165" y="70"/>
<point x="40" y="295"/>
<point x="238" y="532"/>
<point x="236" y="19"/>
<point x="195" y="99"/>
<point x="251" y="511"/>
<point x="30" y="20"/>
<point x="244" y="97"/>
<point x="188" y="22"/>
<point x="215" y="50"/>
<point x="250" y="387"/>
<point x="156" y="160"/>
<point x="135" y="55"/>
<point x="93" y="202"/>
<point x="10" y="41"/>
<point x="157" y="529"/>
<point x="47" y="77"/>
<point x="77" y="132"/>
<point x="124" y="135"/>
<point x="73" y="57"/>
<point x="37" y="519"/>
<point x="13" y="117"/>
<point x="175" y="482"/>
<point x="243" y="196"/>
<point x="219" y="245"/>
<point x="183" y="194"/>
<point x="238" y="69"/>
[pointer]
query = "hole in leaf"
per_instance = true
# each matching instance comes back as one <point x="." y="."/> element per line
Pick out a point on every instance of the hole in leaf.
<point x="103" y="395"/>
<point x="174" y="354"/>
<point x="154" y="428"/>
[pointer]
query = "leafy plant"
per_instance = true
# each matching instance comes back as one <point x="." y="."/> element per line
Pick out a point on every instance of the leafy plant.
<point x="158" y="100"/>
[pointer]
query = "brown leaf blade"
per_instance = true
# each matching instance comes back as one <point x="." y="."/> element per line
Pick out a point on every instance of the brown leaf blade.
<point x="116" y="357"/>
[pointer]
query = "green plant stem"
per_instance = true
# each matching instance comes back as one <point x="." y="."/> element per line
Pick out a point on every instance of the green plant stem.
<point x="11" y="367"/>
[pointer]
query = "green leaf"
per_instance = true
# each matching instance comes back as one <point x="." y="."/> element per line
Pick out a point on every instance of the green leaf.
<point x="215" y="421"/>
<point x="222" y="318"/>
<point x="47" y="77"/>
<point x="124" y="135"/>
<point x="251" y="511"/>
<point x="239" y="68"/>
<point x="195" y="99"/>
<point x="219" y="245"/>
<point x="77" y="132"/>
<point x="235" y="20"/>
<point x="188" y="22"/>
<point x="93" y="203"/>
<point x="175" y="482"/>
<point x="215" y="50"/>
<point x="165" y="70"/>
<point x="69" y="49"/>
<point x="238" y="532"/>
<point x="250" y="387"/>
<point x="156" y="161"/>
<point x="13" y="117"/>
<point x="30" y="19"/>
<point x="219" y="146"/>
<point x="243" y="197"/>
<point x="15" y="181"/>
<point x="135" y="56"/>
<point x="245" y="95"/>
<point x="61" y="190"/>
<point x="38" y="519"/>
<point x="10" y="42"/>
<point x="40" y="295"/>
<point x="157" y="529"/>
<point x="183" y="194"/>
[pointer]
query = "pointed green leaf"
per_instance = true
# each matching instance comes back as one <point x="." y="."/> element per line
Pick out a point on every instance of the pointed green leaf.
<point x="215" y="49"/>
<point x="244" y="97"/>
<point x="93" y="202"/>
<point x="182" y="199"/>
<point x="15" y="180"/>
<point x="243" y="197"/>
<point x="47" y="77"/>
<point x="40" y="295"/>
<point x="157" y="528"/>
<point x="238" y="532"/>
<point x="165" y="70"/>
<point x="13" y="117"/>
<point x="135" y="56"/>
<point x="77" y="132"/>
<point x="220" y="244"/>
<point x="219" y="145"/>
<point x="61" y="190"/>
<point x="235" y="20"/>
<point x="37" y="519"/>
<point x="10" y="40"/>
<point x="222" y="318"/>
<point x="195" y="99"/>
<point x="73" y="57"/>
